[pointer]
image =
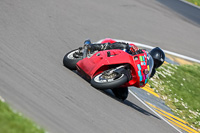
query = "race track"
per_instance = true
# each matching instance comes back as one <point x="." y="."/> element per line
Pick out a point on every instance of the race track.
<point x="36" y="34"/>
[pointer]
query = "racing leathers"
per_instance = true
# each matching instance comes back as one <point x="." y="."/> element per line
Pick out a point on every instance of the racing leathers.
<point x="117" y="45"/>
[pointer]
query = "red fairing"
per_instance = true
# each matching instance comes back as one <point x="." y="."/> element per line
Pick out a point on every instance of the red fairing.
<point x="99" y="62"/>
<point x="100" y="59"/>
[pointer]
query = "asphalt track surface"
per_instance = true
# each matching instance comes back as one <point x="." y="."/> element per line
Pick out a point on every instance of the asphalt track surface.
<point x="36" y="34"/>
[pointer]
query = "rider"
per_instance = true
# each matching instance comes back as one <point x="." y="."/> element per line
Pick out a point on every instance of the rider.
<point x="156" y="53"/>
<point x="116" y="45"/>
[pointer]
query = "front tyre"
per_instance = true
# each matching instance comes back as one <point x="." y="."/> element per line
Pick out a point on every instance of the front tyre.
<point x="121" y="93"/>
<point x="108" y="80"/>
<point x="71" y="58"/>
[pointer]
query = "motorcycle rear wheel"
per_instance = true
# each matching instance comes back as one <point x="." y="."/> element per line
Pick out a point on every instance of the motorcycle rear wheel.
<point x="71" y="58"/>
<point x="105" y="81"/>
<point x="121" y="93"/>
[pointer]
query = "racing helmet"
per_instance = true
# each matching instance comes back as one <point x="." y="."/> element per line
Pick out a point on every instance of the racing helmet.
<point x="158" y="56"/>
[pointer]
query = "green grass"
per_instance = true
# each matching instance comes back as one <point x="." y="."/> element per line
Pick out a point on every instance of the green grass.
<point x="196" y="2"/>
<point x="13" y="122"/>
<point x="179" y="86"/>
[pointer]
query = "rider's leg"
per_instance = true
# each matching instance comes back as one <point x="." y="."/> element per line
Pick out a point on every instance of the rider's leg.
<point x="99" y="47"/>
<point x="120" y="45"/>
<point x="106" y="46"/>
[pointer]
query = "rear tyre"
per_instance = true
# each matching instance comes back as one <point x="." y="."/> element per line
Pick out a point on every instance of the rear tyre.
<point x="121" y="93"/>
<point x="71" y="58"/>
<point x="108" y="80"/>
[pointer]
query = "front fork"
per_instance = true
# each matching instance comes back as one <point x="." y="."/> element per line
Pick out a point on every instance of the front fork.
<point x="123" y="69"/>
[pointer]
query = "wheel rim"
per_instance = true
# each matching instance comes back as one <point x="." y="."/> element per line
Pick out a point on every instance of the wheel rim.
<point x="103" y="78"/>
<point x="71" y="55"/>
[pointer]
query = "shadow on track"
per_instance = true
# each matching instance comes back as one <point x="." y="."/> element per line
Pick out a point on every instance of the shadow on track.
<point x="126" y="102"/>
<point x="130" y="104"/>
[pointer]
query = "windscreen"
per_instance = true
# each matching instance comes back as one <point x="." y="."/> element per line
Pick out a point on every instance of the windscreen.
<point x="150" y="63"/>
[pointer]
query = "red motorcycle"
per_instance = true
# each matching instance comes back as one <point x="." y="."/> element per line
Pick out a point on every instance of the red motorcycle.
<point x="112" y="69"/>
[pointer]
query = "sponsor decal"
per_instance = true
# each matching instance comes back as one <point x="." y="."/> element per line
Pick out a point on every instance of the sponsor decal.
<point x="144" y="77"/>
<point x="148" y="68"/>
<point x="146" y="80"/>
<point x="141" y="78"/>
<point x="141" y="58"/>
<point x="143" y="63"/>
<point x="139" y="67"/>
<point x="139" y="73"/>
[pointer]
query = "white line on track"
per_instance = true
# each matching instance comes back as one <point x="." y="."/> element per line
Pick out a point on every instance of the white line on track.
<point x="154" y="111"/>
<point x="190" y="3"/>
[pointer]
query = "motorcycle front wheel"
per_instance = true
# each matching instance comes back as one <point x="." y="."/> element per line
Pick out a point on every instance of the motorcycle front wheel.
<point x="71" y="58"/>
<point x="107" y="80"/>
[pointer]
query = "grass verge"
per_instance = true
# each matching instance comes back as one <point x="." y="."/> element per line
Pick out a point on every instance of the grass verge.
<point x="14" y="122"/>
<point x="179" y="87"/>
<point x="196" y="2"/>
